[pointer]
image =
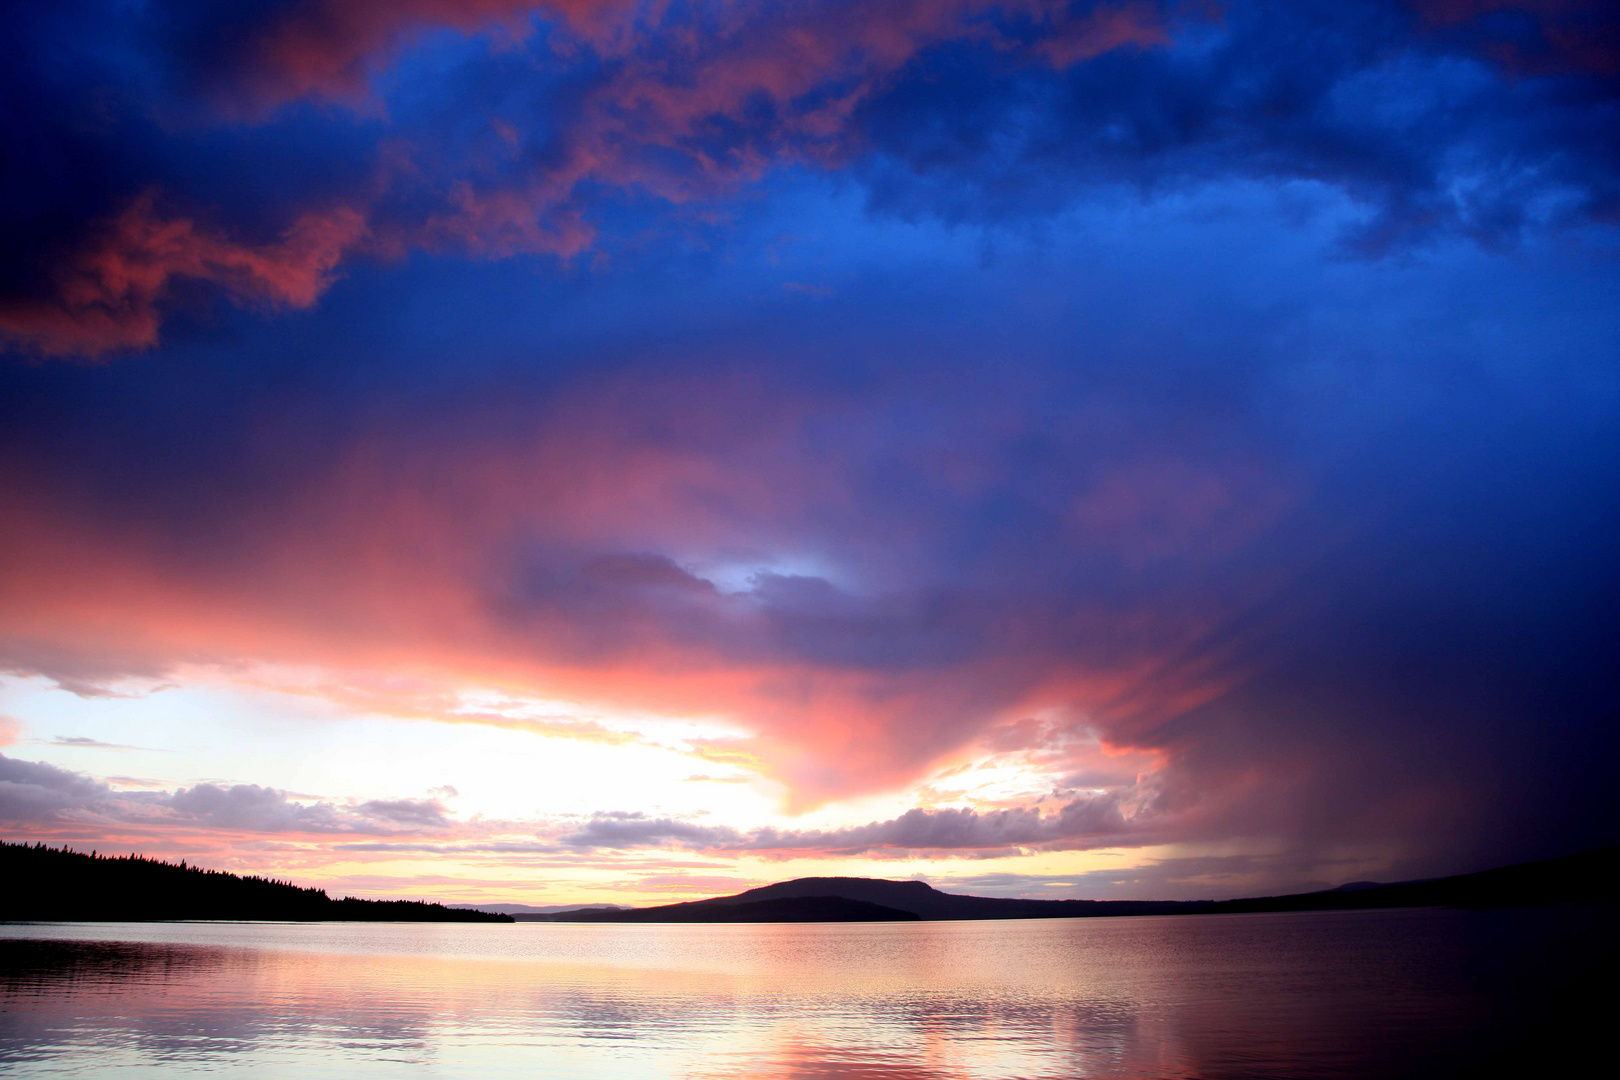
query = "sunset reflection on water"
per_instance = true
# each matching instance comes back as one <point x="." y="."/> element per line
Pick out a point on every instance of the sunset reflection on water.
<point x="1351" y="994"/>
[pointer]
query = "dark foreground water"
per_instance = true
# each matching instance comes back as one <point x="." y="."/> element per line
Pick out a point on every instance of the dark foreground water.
<point x="1363" y="994"/>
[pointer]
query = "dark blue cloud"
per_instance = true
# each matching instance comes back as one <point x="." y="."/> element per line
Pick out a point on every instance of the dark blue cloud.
<point x="1358" y="97"/>
<point x="285" y="141"/>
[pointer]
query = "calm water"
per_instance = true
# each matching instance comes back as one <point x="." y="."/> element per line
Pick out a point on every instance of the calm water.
<point x="1398" y="993"/>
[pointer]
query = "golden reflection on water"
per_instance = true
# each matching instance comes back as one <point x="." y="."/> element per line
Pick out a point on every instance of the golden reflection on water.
<point x="1353" y="994"/>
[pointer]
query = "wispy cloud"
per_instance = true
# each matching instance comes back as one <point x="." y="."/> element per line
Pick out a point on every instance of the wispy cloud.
<point x="86" y="743"/>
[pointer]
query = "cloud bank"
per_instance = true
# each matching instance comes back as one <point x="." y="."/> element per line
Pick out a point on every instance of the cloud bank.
<point x="36" y="795"/>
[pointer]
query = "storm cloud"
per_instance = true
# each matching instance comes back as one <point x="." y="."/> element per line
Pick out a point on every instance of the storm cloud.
<point x="181" y="151"/>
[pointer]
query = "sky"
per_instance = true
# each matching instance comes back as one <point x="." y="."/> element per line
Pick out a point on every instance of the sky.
<point x="633" y="450"/>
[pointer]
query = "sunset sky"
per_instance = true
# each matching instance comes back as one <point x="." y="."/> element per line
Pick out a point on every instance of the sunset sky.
<point x="628" y="450"/>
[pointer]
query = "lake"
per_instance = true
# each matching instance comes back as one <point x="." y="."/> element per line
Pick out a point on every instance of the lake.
<point x="1353" y="994"/>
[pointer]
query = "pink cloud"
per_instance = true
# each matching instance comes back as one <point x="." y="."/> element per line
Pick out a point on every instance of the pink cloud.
<point x="1101" y="30"/>
<point x="331" y="49"/>
<point x="110" y="294"/>
<point x="553" y="566"/>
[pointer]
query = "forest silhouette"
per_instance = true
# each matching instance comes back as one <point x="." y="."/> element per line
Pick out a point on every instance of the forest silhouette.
<point x="61" y="885"/>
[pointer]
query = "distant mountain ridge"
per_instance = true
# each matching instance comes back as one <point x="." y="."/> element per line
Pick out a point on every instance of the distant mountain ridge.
<point x="57" y="885"/>
<point x="1588" y="877"/>
<point x="523" y="911"/>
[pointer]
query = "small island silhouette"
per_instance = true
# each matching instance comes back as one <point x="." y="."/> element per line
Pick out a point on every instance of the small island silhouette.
<point x="46" y="884"/>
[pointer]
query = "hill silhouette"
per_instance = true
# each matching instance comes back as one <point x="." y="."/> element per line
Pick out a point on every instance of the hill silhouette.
<point x="1585" y="878"/>
<point x="58" y="885"/>
<point x="770" y="909"/>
